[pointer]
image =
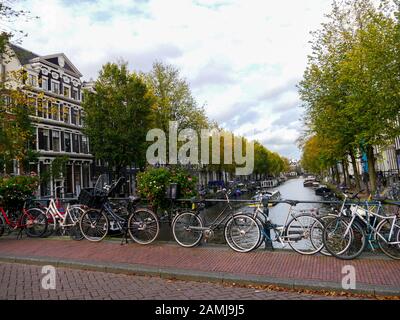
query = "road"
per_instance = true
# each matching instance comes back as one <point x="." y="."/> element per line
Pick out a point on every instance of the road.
<point x="24" y="282"/>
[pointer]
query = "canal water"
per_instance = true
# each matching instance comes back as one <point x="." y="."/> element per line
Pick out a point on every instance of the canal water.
<point x="292" y="189"/>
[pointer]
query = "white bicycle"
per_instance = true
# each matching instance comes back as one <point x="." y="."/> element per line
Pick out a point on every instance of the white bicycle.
<point x="66" y="220"/>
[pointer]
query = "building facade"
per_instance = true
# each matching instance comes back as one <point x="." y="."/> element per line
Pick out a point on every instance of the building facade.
<point x="54" y="86"/>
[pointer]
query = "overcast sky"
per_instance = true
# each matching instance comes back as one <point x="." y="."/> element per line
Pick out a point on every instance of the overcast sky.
<point x="242" y="58"/>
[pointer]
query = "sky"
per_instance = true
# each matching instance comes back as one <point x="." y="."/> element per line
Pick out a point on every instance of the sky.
<point x="242" y="59"/>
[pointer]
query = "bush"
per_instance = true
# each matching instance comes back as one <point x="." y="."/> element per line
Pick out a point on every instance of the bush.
<point x="152" y="184"/>
<point x="15" y="190"/>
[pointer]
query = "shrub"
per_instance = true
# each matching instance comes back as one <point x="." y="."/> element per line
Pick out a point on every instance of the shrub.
<point x="15" y="190"/>
<point x="152" y="184"/>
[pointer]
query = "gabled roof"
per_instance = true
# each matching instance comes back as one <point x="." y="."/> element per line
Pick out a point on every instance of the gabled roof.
<point x="23" y="55"/>
<point x="53" y="58"/>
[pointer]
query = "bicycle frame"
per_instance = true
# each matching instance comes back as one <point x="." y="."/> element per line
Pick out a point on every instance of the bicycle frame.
<point x="57" y="215"/>
<point x="373" y="228"/>
<point x="279" y="230"/>
<point x="115" y="217"/>
<point x="220" y="219"/>
<point x="18" y="224"/>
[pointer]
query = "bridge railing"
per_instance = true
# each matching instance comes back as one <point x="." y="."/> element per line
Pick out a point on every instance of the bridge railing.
<point x="252" y="201"/>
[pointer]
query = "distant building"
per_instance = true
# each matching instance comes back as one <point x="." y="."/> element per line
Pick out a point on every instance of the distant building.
<point x="55" y="84"/>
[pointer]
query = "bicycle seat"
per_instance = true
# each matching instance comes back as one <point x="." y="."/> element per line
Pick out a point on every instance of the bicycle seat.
<point x="292" y="203"/>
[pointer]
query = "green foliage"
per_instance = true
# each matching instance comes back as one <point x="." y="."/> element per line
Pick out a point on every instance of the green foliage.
<point x="174" y="100"/>
<point x="152" y="184"/>
<point x="118" y="116"/>
<point x="350" y="88"/>
<point x="15" y="190"/>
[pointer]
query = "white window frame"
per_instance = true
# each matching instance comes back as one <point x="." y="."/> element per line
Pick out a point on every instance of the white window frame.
<point x="77" y="93"/>
<point x="69" y="87"/>
<point x="30" y="77"/>
<point x="52" y="86"/>
<point x="47" y="82"/>
<point x="59" y="140"/>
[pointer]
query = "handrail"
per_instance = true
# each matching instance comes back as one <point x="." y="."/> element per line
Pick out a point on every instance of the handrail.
<point x="349" y="202"/>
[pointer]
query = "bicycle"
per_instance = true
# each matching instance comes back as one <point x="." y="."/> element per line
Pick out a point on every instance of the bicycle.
<point x="298" y="232"/>
<point x="33" y="221"/>
<point x="330" y="215"/>
<point x="142" y="224"/>
<point x="63" y="219"/>
<point x="241" y="232"/>
<point x="362" y="226"/>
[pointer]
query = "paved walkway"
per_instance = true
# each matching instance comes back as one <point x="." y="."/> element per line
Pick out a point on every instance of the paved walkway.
<point x="207" y="263"/>
<point x="23" y="282"/>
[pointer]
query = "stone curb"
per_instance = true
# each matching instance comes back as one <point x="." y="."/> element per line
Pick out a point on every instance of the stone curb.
<point x="199" y="276"/>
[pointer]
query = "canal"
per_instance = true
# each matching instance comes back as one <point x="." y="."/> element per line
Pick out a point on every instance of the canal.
<point x="292" y="189"/>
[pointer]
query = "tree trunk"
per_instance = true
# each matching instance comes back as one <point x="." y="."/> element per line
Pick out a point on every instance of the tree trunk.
<point x="355" y="169"/>
<point x="337" y="174"/>
<point x="371" y="167"/>
<point x="345" y="173"/>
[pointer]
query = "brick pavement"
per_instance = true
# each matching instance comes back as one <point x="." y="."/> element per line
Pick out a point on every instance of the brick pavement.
<point x="23" y="282"/>
<point x="289" y="266"/>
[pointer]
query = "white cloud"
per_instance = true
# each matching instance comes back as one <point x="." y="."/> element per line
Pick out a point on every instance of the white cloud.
<point x="241" y="57"/>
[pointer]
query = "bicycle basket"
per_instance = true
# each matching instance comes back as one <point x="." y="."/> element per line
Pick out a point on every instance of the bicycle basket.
<point x="92" y="197"/>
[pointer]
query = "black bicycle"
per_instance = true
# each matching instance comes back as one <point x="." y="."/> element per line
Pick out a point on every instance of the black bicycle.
<point x="141" y="224"/>
<point x="241" y="233"/>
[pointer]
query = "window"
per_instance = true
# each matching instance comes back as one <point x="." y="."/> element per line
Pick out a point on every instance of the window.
<point x="42" y="109"/>
<point x="84" y="145"/>
<point x="75" y="143"/>
<point x="31" y="106"/>
<point x="45" y="84"/>
<point x="74" y="116"/>
<point x="43" y="139"/>
<point x="66" y="113"/>
<point x="67" y="142"/>
<point x="53" y="111"/>
<point x="75" y="94"/>
<point x="56" y="140"/>
<point x="86" y="175"/>
<point x="32" y="80"/>
<point x="45" y="185"/>
<point x="66" y="91"/>
<point x="55" y="87"/>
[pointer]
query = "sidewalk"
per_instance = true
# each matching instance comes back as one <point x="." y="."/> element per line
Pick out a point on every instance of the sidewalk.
<point x="377" y="275"/>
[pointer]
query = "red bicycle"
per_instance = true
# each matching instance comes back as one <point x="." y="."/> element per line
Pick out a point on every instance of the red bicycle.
<point x="33" y="221"/>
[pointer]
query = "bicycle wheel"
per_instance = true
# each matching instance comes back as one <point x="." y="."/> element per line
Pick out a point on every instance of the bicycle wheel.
<point x="343" y="242"/>
<point x="301" y="236"/>
<point x="262" y="226"/>
<point x="74" y="215"/>
<point x="318" y="234"/>
<point x="2" y="225"/>
<point x="51" y="225"/>
<point x="143" y="226"/>
<point x="242" y="233"/>
<point x="389" y="236"/>
<point x="187" y="229"/>
<point x="35" y="222"/>
<point x="94" y="225"/>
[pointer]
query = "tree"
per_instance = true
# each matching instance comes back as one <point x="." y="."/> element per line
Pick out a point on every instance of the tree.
<point x="118" y="115"/>
<point x="174" y="100"/>
<point x="16" y="131"/>
<point x="349" y="88"/>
